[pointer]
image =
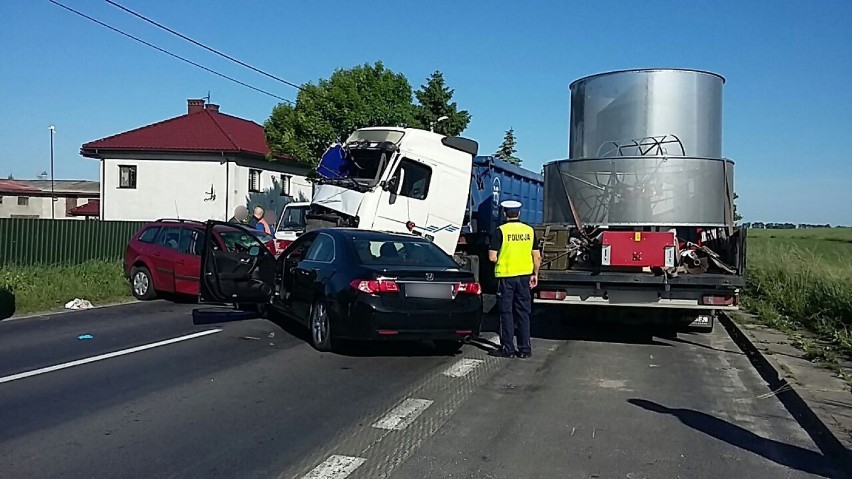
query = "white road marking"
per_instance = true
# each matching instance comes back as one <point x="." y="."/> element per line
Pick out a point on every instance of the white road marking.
<point x="462" y="367"/>
<point x="403" y="415"/>
<point x="335" y="467"/>
<point x="36" y="372"/>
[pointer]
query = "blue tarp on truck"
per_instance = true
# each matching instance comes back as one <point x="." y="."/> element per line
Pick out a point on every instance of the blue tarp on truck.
<point x="494" y="181"/>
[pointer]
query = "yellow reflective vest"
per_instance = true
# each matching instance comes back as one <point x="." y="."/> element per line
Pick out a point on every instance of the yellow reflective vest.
<point x="515" y="255"/>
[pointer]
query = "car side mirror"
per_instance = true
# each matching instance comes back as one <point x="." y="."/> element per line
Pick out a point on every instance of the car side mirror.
<point x="254" y="251"/>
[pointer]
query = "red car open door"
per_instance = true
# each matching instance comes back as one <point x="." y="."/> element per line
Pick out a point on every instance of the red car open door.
<point x="239" y="271"/>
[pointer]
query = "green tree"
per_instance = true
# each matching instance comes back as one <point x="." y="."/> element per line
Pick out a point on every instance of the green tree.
<point x="737" y="216"/>
<point x="507" y="149"/>
<point x="358" y="97"/>
<point x="434" y="102"/>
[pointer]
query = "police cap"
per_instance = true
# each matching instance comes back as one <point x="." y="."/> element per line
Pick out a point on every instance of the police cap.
<point x="511" y="206"/>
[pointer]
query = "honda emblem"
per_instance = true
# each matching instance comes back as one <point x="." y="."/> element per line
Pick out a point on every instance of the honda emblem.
<point x="430" y="276"/>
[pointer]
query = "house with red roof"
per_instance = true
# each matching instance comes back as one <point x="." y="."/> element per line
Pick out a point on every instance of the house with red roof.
<point x="199" y="165"/>
<point x="33" y="198"/>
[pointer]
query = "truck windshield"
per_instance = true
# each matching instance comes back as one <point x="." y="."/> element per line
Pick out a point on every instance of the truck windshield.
<point x="361" y="161"/>
<point x="367" y="163"/>
<point x="354" y="167"/>
<point x="293" y="218"/>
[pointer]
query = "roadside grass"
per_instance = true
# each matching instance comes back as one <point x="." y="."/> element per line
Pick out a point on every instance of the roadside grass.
<point x="802" y="280"/>
<point x="46" y="288"/>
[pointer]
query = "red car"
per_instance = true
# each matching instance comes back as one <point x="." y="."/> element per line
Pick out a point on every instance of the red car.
<point x="165" y="255"/>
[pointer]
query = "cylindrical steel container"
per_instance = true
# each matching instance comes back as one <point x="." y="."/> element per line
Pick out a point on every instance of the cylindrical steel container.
<point x="645" y="150"/>
<point x="615" y="109"/>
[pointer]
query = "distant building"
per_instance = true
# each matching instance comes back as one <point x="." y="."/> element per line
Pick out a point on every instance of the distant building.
<point x="32" y="198"/>
<point x="195" y="166"/>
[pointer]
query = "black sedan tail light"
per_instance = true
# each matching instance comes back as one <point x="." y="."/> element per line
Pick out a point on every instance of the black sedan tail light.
<point x="375" y="286"/>
<point x="468" y="288"/>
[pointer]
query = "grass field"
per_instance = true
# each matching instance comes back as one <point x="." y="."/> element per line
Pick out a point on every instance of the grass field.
<point x="803" y="279"/>
<point x="44" y="288"/>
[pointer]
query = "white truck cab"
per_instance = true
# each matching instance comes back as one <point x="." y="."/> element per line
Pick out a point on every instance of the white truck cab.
<point x="401" y="180"/>
<point x="291" y="224"/>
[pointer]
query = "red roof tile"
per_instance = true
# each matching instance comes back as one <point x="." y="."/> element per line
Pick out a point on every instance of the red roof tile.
<point x="92" y="208"/>
<point x="206" y="130"/>
<point x="15" y="187"/>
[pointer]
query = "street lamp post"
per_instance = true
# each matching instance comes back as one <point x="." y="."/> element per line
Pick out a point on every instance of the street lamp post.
<point x="439" y="120"/>
<point x="52" y="186"/>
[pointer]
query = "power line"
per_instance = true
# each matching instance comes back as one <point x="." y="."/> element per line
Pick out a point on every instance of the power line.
<point x="210" y="49"/>
<point x="162" y="50"/>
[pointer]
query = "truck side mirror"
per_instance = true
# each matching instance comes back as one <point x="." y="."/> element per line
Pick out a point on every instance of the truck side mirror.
<point x="390" y="184"/>
<point x="400" y="180"/>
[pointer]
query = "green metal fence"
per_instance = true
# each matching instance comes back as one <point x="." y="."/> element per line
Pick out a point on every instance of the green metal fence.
<point x="36" y="241"/>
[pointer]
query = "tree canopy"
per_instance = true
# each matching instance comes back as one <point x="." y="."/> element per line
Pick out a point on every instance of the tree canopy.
<point x="358" y="97"/>
<point x="366" y="95"/>
<point x="507" y="149"/>
<point x="434" y="102"/>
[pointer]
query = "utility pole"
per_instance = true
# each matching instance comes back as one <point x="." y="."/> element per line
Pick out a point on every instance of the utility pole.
<point x="52" y="185"/>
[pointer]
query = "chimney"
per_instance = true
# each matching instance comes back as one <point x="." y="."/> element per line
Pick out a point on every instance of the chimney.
<point x="194" y="106"/>
<point x="212" y="107"/>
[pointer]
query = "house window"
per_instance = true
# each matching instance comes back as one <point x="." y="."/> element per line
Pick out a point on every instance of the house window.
<point x="415" y="180"/>
<point x="127" y="176"/>
<point x="285" y="185"/>
<point x="23" y="201"/>
<point x="254" y="181"/>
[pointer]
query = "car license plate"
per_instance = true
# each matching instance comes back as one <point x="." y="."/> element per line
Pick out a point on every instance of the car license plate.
<point x="431" y="291"/>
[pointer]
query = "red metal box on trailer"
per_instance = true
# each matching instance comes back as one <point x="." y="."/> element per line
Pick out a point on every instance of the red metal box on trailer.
<point x="638" y="249"/>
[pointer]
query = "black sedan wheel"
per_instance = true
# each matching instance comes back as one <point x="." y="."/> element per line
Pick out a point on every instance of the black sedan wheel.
<point x="321" y="336"/>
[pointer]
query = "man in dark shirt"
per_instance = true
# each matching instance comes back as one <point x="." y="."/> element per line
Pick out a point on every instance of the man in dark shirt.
<point x="240" y="215"/>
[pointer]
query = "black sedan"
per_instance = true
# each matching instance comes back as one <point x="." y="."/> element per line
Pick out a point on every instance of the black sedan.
<point x="349" y="284"/>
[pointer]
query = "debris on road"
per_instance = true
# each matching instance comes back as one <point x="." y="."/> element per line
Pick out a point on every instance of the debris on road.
<point x="78" y="303"/>
<point x="85" y="336"/>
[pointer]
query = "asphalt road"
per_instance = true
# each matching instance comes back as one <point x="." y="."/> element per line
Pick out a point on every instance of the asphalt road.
<point x="252" y="399"/>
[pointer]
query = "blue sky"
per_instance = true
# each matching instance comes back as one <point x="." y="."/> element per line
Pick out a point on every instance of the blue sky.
<point x="787" y="106"/>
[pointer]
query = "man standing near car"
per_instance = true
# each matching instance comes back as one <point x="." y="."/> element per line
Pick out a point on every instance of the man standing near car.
<point x="257" y="222"/>
<point x="240" y="215"/>
<point x="515" y="251"/>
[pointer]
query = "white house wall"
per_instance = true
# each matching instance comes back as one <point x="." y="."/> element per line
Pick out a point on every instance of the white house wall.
<point x="38" y="207"/>
<point x="190" y="189"/>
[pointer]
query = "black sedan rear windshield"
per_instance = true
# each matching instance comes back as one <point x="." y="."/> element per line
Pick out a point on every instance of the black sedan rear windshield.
<point x="401" y="252"/>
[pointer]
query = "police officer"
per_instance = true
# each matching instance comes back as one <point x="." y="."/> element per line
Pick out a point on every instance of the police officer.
<point x="515" y="250"/>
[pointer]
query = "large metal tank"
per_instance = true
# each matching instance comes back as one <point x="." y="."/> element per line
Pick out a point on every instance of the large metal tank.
<point x="645" y="150"/>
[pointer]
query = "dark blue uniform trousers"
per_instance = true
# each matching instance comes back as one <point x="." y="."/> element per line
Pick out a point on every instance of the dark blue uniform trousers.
<point x="514" y="300"/>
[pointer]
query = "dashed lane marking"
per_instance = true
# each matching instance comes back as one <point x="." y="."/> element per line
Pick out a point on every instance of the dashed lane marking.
<point x="335" y="467"/>
<point x="401" y="416"/>
<point x="462" y="368"/>
<point x="36" y="372"/>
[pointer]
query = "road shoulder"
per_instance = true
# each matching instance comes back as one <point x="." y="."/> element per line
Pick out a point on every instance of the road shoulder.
<point x="817" y="396"/>
<point x="55" y="312"/>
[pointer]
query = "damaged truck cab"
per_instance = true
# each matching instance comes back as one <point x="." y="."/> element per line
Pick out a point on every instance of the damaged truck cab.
<point x="402" y="180"/>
